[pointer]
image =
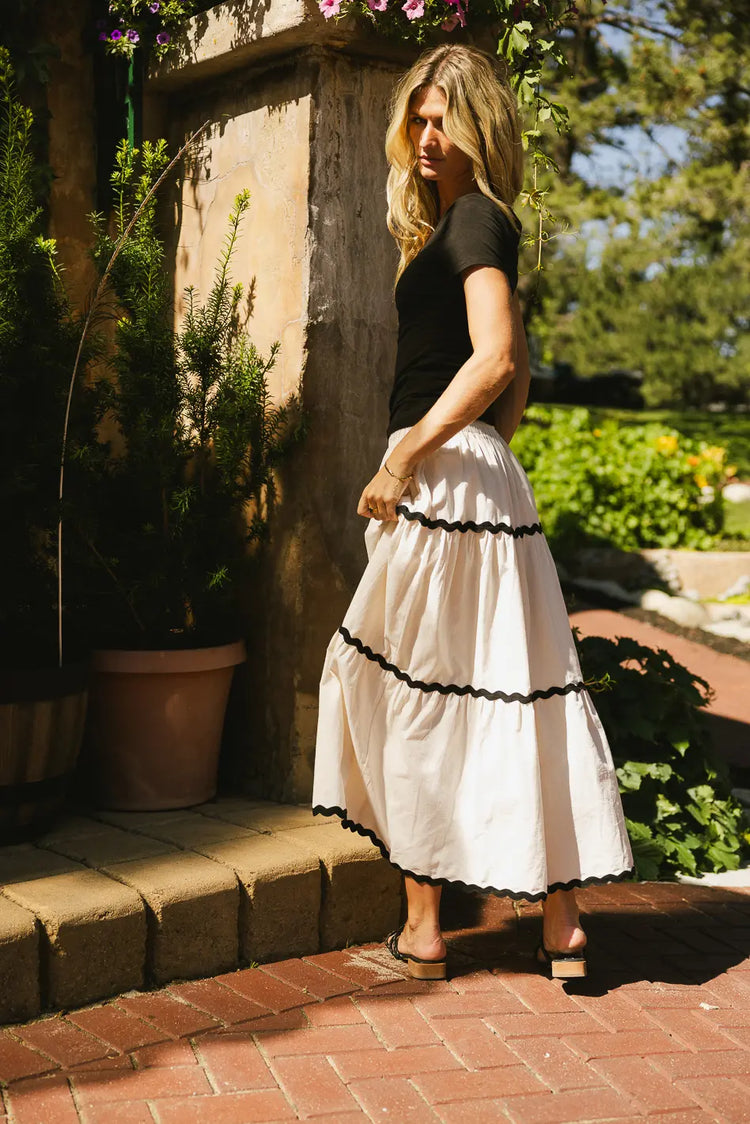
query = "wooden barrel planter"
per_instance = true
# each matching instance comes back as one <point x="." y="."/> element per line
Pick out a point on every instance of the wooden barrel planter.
<point x="42" y="716"/>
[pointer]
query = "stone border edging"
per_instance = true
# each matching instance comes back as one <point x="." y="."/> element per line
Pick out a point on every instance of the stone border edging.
<point x="111" y="901"/>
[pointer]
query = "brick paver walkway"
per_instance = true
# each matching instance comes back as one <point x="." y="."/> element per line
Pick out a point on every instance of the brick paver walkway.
<point x="660" y="1028"/>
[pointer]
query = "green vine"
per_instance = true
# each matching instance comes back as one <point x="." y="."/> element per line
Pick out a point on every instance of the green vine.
<point x="527" y="34"/>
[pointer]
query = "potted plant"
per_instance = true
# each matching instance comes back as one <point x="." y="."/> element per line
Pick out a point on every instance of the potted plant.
<point x="42" y="704"/>
<point x="186" y="486"/>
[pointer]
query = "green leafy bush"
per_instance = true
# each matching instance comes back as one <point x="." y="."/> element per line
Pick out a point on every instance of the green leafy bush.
<point x="627" y="486"/>
<point x="676" y="794"/>
<point x="728" y="428"/>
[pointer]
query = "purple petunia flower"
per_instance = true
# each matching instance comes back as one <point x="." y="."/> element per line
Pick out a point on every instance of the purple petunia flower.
<point x="103" y="37"/>
<point x="132" y="35"/>
<point x="329" y="7"/>
<point x="377" y="5"/>
<point x="162" y="38"/>
<point x="414" y="9"/>
<point x="154" y="7"/>
<point x="115" y="35"/>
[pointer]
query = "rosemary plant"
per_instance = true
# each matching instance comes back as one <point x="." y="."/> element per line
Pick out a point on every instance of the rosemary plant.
<point x="188" y="479"/>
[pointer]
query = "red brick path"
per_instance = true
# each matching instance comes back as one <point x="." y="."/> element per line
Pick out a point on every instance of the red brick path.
<point x="659" y="1029"/>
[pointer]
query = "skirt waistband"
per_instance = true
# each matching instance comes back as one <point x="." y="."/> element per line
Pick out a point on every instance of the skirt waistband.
<point x="479" y="428"/>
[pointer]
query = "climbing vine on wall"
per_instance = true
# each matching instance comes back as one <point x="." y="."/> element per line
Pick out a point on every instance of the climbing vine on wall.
<point x="527" y="33"/>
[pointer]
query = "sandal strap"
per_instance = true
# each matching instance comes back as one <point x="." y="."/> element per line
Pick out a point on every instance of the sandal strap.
<point x="421" y="960"/>
<point x="391" y="943"/>
<point x="550" y="956"/>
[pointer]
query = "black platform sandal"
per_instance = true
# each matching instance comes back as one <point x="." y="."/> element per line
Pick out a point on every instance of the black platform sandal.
<point x="418" y="968"/>
<point x="561" y="965"/>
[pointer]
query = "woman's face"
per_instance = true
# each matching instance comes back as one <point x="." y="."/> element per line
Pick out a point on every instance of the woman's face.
<point x="440" y="161"/>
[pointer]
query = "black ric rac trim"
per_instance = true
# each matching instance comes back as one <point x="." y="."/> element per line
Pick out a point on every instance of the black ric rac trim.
<point x="453" y="688"/>
<point x="470" y="525"/>
<point x="517" y="895"/>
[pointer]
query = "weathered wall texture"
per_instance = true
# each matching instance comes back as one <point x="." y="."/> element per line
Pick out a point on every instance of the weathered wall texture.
<point x="258" y="141"/>
<point x="72" y="143"/>
<point x="317" y="552"/>
<point x="304" y="130"/>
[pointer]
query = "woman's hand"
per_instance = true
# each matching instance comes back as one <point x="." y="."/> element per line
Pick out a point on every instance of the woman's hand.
<point x="379" y="499"/>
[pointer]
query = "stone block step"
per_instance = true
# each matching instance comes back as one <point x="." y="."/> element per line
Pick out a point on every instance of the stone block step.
<point x="110" y="901"/>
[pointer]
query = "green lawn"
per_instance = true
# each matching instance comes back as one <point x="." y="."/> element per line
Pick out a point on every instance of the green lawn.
<point x="737" y="520"/>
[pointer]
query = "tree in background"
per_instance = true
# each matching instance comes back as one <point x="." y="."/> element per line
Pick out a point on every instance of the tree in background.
<point x="656" y="275"/>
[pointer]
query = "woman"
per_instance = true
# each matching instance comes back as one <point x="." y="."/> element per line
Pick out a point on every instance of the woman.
<point x="455" y="730"/>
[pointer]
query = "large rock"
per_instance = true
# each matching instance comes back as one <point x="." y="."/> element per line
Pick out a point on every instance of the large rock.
<point x="706" y="573"/>
<point x="681" y="610"/>
<point x="736" y="493"/>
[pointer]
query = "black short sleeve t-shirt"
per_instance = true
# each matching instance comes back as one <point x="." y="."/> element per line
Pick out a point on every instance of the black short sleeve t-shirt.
<point x="433" y="331"/>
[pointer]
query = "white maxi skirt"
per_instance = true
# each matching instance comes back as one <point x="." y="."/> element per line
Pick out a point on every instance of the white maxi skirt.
<point x="455" y="730"/>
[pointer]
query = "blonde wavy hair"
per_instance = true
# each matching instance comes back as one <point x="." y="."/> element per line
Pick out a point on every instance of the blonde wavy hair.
<point x="481" y="118"/>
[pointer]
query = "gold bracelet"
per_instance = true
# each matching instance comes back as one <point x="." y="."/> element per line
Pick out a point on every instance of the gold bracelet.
<point x="393" y="474"/>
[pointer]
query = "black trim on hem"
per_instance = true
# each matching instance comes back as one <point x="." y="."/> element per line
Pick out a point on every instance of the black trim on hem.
<point x="470" y="525"/>
<point x="516" y="895"/>
<point x="453" y="688"/>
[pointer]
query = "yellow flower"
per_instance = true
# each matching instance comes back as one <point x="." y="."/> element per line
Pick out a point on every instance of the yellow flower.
<point x="667" y="443"/>
<point x="597" y="432"/>
<point x="731" y="470"/>
<point x="714" y="453"/>
<point x="693" y="460"/>
<point x="700" y="481"/>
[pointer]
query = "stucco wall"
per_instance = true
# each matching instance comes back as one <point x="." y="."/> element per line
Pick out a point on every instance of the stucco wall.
<point x="303" y="130"/>
<point x="317" y="552"/>
<point x="72" y="143"/>
<point x="258" y="140"/>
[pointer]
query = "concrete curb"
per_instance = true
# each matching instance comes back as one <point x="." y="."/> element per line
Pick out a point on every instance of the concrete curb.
<point x="111" y="901"/>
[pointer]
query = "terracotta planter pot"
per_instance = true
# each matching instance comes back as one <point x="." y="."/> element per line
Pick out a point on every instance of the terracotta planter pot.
<point x="42" y="716"/>
<point x="155" y="723"/>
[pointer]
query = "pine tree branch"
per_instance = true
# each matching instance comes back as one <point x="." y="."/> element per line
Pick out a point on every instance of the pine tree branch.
<point x="625" y="22"/>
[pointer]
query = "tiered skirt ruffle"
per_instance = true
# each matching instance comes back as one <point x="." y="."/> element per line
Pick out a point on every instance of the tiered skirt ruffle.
<point x="455" y="729"/>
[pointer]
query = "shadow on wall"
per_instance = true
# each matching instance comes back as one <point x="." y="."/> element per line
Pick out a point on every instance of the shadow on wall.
<point x="247" y="18"/>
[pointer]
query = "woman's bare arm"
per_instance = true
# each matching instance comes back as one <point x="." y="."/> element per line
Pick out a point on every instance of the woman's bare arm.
<point x="511" y="404"/>
<point x="486" y="373"/>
